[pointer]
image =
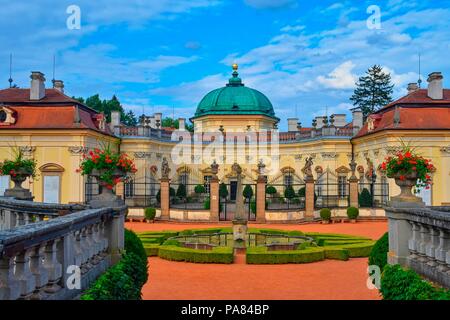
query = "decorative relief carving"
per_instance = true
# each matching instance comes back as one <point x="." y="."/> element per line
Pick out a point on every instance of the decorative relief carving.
<point x="75" y="150"/>
<point x="142" y="155"/>
<point x="343" y="169"/>
<point x="393" y="150"/>
<point x="329" y="155"/>
<point x="445" y="149"/>
<point x="27" y="150"/>
<point x="298" y="157"/>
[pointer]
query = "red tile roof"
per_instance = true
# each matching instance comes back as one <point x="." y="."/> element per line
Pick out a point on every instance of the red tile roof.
<point x="54" y="111"/>
<point x="420" y="97"/>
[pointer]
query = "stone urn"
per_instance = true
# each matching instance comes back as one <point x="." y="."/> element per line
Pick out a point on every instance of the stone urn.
<point x="17" y="191"/>
<point x="106" y="197"/>
<point x="406" y="197"/>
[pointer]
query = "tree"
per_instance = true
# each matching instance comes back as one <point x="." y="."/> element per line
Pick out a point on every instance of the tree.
<point x="130" y="119"/>
<point x="181" y="191"/>
<point x="289" y="192"/>
<point x="365" y="199"/>
<point x="373" y="91"/>
<point x="169" y="122"/>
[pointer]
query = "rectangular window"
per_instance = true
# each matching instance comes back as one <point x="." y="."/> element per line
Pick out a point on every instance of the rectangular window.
<point x="4" y="184"/>
<point x="342" y="186"/>
<point x="288" y="180"/>
<point x="51" y="189"/>
<point x="184" y="179"/>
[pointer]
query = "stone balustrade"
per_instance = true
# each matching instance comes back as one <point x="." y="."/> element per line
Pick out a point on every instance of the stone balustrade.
<point x="419" y="238"/>
<point x="15" y="213"/>
<point x="43" y="260"/>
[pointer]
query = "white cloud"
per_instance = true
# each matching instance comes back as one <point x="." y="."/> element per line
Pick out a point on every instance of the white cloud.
<point x="340" y="78"/>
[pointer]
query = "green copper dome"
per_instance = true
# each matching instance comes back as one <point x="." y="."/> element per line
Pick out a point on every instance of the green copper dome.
<point x="235" y="99"/>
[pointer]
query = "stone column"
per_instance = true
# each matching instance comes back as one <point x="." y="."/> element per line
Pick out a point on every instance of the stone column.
<point x="165" y="199"/>
<point x="261" y="199"/>
<point x="400" y="232"/>
<point x="353" y="182"/>
<point x="214" y="199"/>
<point x="309" y="198"/>
<point x="117" y="235"/>
<point x="77" y="186"/>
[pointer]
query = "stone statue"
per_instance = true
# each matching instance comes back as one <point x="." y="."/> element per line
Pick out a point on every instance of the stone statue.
<point x="214" y="168"/>
<point x="165" y="169"/>
<point x="307" y="169"/>
<point x="239" y="214"/>
<point x="261" y="167"/>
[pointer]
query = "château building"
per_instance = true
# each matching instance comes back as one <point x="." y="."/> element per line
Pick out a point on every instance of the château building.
<point x="233" y="123"/>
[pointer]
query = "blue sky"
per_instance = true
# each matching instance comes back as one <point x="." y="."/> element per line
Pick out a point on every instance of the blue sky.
<point x="158" y="55"/>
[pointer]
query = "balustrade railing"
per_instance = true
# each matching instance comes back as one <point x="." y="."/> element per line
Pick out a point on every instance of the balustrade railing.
<point x="420" y="239"/>
<point x="57" y="258"/>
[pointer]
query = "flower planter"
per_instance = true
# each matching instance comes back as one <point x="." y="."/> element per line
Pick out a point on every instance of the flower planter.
<point x="17" y="191"/>
<point x="406" y="184"/>
<point x="107" y="197"/>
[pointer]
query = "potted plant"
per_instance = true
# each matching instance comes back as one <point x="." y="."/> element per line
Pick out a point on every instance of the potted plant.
<point x="109" y="168"/>
<point x="200" y="190"/>
<point x="150" y="214"/>
<point x="352" y="214"/>
<point x="325" y="215"/>
<point x="409" y="170"/>
<point x="19" y="169"/>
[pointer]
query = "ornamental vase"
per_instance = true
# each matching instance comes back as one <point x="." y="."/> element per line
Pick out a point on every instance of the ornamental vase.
<point x="406" y="185"/>
<point x="17" y="191"/>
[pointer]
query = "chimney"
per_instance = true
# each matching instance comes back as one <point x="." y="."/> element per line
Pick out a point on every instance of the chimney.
<point x="115" y="119"/>
<point x="58" y="85"/>
<point x="435" y="90"/>
<point x="319" y="121"/>
<point x="158" y="120"/>
<point x="339" y="120"/>
<point x="37" y="90"/>
<point x="292" y="124"/>
<point x="412" y="87"/>
<point x="357" y="119"/>
<point x="182" y="124"/>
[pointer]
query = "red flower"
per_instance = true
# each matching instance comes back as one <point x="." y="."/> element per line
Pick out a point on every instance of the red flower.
<point x="414" y="168"/>
<point x="427" y="177"/>
<point x="383" y="166"/>
<point x="402" y="177"/>
<point x="407" y="154"/>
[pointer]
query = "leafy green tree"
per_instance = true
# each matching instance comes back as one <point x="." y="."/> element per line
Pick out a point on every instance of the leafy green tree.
<point x="365" y="198"/>
<point x="130" y="119"/>
<point x="199" y="189"/>
<point x="169" y="122"/>
<point x="373" y="91"/>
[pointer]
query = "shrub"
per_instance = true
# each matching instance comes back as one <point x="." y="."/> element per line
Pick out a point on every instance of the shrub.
<point x="151" y="249"/>
<point x="378" y="255"/>
<point x="216" y="255"/>
<point x="248" y="192"/>
<point x="337" y="254"/>
<point x="223" y="190"/>
<point x="271" y="190"/>
<point x="359" y="250"/>
<point x="150" y="213"/>
<point x="325" y="214"/>
<point x="199" y="189"/>
<point x="400" y="284"/>
<point x="352" y="213"/>
<point x="365" y="198"/>
<point x="124" y="280"/>
<point x="181" y="191"/>
<point x="289" y="192"/>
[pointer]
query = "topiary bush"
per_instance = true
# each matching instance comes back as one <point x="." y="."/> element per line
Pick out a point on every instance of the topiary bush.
<point x="365" y="198"/>
<point x="223" y="190"/>
<point x="150" y="213"/>
<point x="207" y="204"/>
<point x="325" y="214"/>
<point x="378" y="255"/>
<point x="248" y="192"/>
<point x="199" y="189"/>
<point x="302" y="192"/>
<point x="289" y="192"/>
<point x="181" y="191"/>
<point x="124" y="280"/>
<point x="271" y="190"/>
<point x="400" y="284"/>
<point x="352" y="213"/>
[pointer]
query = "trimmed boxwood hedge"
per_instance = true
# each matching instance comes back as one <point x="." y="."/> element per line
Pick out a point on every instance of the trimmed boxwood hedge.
<point x="337" y="254"/>
<point x="260" y="255"/>
<point x="124" y="280"/>
<point x="216" y="255"/>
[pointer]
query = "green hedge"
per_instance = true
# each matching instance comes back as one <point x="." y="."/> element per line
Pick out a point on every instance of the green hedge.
<point x="151" y="250"/>
<point x="400" y="284"/>
<point x="378" y="255"/>
<point x="337" y="254"/>
<point x="216" y="255"/>
<point x="124" y="280"/>
<point x="359" y="250"/>
<point x="260" y="255"/>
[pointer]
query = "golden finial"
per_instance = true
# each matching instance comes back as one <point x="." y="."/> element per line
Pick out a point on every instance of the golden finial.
<point x="235" y="66"/>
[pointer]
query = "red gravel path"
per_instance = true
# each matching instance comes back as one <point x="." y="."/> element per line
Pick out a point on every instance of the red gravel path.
<point x="329" y="279"/>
